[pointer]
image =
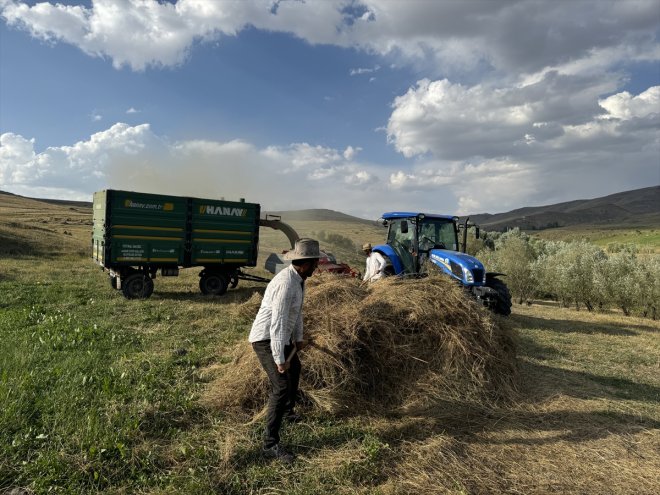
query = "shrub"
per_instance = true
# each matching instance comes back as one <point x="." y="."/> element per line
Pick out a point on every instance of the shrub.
<point x="513" y="256"/>
<point x="567" y="271"/>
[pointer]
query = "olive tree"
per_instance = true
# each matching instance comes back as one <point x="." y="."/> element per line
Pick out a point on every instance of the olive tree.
<point x="513" y="256"/>
<point x="619" y="281"/>
<point x="567" y="271"/>
<point x="649" y="276"/>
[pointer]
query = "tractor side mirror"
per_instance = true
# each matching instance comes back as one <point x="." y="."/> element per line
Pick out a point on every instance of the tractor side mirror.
<point x="404" y="227"/>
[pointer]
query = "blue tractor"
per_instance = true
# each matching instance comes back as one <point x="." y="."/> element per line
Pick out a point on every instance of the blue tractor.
<point x="418" y="241"/>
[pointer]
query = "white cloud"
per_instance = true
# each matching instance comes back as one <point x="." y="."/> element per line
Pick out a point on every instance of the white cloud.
<point x="548" y="104"/>
<point x="81" y="167"/>
<point x="452" y="36"/>
<point x="350" y="152"/>
<point x="133" y="157"/>
<point x="498" y="149"/>
<point x="359" y="178"/>
<point x="141" y="33"/>
<point x="452" y="121"/>
<point x="625" y="106"/>
<point x="364" y="70"/>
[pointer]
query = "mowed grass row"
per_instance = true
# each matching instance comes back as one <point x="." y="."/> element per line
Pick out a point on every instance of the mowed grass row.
<point x="101" y="394"/>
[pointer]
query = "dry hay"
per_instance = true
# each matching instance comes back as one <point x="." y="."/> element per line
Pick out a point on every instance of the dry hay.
<point x="396" y="344"/>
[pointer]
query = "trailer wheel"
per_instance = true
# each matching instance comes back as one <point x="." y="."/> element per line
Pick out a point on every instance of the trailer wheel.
<point x="137" y="286"/>
<point x="214" y="284"/>
<point x="503" y="306"/>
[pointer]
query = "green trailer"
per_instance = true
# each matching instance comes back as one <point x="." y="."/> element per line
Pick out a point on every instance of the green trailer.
<point x="136" y="235"/>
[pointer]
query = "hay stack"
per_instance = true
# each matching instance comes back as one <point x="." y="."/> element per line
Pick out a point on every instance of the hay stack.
<point x="392" y="345"/>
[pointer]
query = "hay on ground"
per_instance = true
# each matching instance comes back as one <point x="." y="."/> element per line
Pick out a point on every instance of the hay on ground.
<point x="392" y="345"/>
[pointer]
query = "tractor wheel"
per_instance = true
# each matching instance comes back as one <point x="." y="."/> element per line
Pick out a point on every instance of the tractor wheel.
<point x="389" y="267"/>
<point x="233" y="281"/>
<point x="137" y="286"/>
<point x="214" y="284"/>
<point x="503" y="306"/>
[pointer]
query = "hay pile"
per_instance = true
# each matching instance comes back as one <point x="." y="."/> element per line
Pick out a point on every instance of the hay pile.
<point x="391" y="345"/>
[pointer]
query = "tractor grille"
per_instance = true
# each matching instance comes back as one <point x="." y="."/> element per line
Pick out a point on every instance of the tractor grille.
<point x="478" y="275"/>
<point x="457" y="270"/>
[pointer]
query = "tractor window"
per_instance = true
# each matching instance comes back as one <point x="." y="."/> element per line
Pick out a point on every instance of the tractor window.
<point x="396" y="237"/>
<point x="438" y="233"/>
<point x="403" y="243"/>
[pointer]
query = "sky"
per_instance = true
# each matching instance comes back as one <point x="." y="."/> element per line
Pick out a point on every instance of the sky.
<point x="361" y="106"/>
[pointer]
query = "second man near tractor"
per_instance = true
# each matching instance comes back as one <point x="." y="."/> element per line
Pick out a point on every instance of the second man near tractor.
<point x="375" y="266"/>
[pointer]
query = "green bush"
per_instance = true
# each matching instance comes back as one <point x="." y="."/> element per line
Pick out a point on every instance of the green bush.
<point x="513" y="255"/>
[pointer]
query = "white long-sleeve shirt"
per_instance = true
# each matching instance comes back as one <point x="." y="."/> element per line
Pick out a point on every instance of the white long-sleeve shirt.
<point x="375" y="268"/>
<point x="280" y="315"/>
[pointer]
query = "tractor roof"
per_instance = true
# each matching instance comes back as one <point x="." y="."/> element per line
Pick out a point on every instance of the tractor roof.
<point x="407" y="214"/>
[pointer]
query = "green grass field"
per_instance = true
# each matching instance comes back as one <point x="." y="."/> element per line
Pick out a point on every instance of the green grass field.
<point x="647" y="239"/>
<point x="104" y="395"/>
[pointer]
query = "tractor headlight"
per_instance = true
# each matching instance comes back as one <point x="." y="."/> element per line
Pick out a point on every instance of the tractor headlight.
<point x="467" y="274"/>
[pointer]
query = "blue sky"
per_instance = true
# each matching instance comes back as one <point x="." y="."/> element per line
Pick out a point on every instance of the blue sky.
<point x="359" y="106"/>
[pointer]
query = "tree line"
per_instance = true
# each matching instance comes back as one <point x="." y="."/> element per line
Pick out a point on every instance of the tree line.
<point x="575" y="273"/>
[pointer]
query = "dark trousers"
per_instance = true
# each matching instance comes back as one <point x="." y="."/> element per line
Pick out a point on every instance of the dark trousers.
<point x="283" y="389"/>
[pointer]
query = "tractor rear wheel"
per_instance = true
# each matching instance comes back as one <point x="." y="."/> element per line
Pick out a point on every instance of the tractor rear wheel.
<point x="214" y="284"/>
<point x="137" y="286"/>
<point x="503" y="305"/>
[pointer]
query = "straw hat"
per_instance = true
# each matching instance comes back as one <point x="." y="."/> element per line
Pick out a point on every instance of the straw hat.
<point x="305" y="249"/>
<point x="366" y="246"/>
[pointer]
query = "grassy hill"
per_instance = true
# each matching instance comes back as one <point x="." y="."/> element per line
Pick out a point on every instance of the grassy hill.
<point x="319" y="215"/>
<point x="52" y="227"/>
<point x="639" y="209"/>
<point x="627" y="217"/>
<point x="44" y="228"/>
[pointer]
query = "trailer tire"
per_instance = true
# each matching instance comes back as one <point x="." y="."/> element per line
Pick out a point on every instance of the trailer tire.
<point x="137" y="286"/>
<point x="214" y="284"/>
<point x="503" y="306"/>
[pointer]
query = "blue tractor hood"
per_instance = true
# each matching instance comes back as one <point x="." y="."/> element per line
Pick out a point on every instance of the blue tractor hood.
<point x="468" y="269"/>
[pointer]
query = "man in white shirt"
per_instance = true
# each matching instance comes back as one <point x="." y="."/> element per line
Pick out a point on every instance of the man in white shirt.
<point x="376" y="264"/>
<point x="276" y="332"/>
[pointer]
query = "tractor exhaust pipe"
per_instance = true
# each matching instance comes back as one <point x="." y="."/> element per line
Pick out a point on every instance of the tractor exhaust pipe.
<point x="465" y="231"/>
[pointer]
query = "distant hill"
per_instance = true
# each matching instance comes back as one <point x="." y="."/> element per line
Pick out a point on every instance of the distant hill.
<point x="630" y="209"/>
<point x="318" y="215"/>
<point x="638" y="208"/>
<point x="60" y="202"/>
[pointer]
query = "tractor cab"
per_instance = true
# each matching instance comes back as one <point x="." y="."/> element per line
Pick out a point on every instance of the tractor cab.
<point x="413" y="236"/>
<point x="417" y="241"/>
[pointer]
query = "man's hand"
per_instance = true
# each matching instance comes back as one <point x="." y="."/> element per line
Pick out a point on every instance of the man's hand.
<point x="281" y="368"/>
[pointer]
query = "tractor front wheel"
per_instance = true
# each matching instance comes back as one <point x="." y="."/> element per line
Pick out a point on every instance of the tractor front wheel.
<point x="503" y="305"/>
